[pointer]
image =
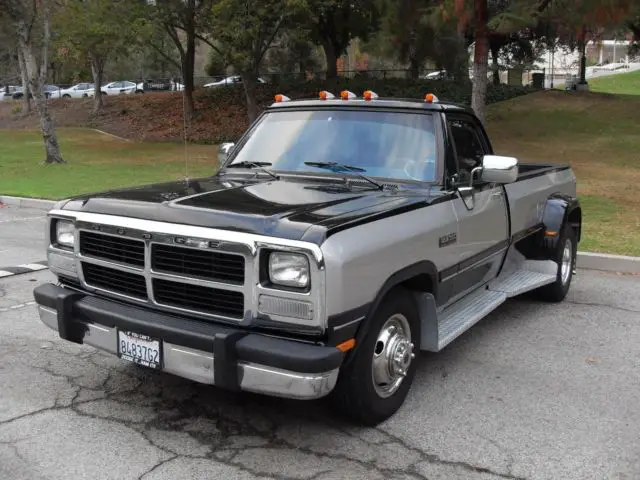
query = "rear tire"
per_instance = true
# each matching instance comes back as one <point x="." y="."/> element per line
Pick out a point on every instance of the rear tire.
<point x="565" y="257"/>
<point x="374" y="384"/>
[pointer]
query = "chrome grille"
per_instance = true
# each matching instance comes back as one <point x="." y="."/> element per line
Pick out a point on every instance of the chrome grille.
<point x="151" y="268"/>
<point x="198" y="298"/>
<point x="116" y="281"/>
<point x="118" y="249"/>
<point x="192" y="262"/>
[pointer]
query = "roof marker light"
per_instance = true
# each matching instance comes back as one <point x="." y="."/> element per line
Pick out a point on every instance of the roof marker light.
<point x="347" y="95"/>
<point x="369" y="95"/>
<point x="430" y="98"/>
<point x="324" y="95"/>
<point x="282" y="98"/>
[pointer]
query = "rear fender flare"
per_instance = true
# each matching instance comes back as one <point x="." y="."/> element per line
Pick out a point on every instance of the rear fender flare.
<point x="560" y="210"/>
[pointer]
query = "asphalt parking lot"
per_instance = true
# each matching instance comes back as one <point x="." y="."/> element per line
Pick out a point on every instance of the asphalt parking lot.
<point x="534" y="391"/>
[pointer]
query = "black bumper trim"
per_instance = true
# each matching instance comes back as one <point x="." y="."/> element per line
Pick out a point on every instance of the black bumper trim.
<point x="233" y="344"/>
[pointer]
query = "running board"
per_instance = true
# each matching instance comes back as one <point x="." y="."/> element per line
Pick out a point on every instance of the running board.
<point x="456" y="319"/>
<point x="462" y="315"/>
<point x="532" y="274"/>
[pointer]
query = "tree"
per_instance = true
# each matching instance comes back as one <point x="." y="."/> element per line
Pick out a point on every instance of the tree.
<point x="244" y="31"/>
<point x="31" y="24"/>
<point x="482" y="18"/>
<point x="583" y="21"/>
<point x="97" y="31"/>
<point x="184" y="22"/>
<point x="334" y="23"/>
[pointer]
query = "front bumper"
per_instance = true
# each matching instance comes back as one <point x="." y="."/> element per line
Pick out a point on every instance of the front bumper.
<point x="201" y="351"/>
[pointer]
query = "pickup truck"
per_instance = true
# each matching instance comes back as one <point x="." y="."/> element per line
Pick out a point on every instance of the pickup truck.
<point x="339" y="238"/>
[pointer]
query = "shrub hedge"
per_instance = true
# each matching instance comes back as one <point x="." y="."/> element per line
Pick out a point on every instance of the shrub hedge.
<point x="227" y="104"/>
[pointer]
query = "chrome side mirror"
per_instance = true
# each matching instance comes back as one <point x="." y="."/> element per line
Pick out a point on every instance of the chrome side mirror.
<point x="224" y="151"/>
<point x="498" y="169"/>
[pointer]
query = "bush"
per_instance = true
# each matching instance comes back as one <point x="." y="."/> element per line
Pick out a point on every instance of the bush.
<point x="228" y="103"/>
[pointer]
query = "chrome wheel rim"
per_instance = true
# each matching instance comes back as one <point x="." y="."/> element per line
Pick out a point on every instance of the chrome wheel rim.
<point x="567" y="260"/>
<point x="392" y="355"/>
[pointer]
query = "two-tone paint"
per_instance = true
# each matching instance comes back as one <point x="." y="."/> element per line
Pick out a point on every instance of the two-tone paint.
<point x="428" y="237"/>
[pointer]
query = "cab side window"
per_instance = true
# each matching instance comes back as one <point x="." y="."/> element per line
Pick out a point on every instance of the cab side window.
<point x="468" y="146"/>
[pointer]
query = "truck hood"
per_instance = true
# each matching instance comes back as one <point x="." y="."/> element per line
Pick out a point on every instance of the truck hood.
<point x="288" y="208"/>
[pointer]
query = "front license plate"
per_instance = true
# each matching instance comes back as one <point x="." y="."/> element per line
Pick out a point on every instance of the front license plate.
<point x="139" y="348"/>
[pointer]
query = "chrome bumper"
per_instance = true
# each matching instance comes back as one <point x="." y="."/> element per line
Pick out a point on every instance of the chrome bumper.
<point x="198" y="365"/>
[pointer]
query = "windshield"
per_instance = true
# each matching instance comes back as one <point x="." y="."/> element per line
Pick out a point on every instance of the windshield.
<point x="395" y="145"/>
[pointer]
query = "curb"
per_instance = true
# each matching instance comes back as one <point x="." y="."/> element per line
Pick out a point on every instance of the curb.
<point x="27" y="202"/>
<point x="608" y="263"/>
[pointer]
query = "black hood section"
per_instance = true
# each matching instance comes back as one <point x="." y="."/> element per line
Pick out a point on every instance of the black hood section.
<point x="296" y="210"/>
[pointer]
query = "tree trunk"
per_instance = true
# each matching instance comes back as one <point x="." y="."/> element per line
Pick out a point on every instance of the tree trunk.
<point x="26" y="98"/>
<point x="495" y="68"/>
<point x="583" y="57"/>
<point x="249" y="82"/>
<point x="331" y="55"/>
<point x="36" y="86"/>
<point x="414" y="64"/>
<point x="480" y="60"/>
<point x="97" y="68"/>
<point x="188" y="67"/>
<point x="36" y="79"/>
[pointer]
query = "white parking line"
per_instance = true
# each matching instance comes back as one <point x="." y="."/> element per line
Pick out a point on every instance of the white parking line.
<point x="34" y="266"/>
<point x="23" y="219"/>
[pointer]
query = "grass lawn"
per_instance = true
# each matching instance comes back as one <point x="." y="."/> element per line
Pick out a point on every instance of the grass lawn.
<point x="95" y="162"/>
<point x="599" y="136"/>
<point x="621" y="83"/>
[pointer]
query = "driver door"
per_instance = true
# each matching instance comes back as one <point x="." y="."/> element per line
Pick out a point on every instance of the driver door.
<point x="483" y="223"/>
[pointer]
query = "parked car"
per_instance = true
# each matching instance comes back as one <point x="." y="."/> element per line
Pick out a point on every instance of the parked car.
<point x="122" y="88"/>
<point x="228" y="81"/>
<point x="340" y="237"/>
<point x="437" y="75"/>
<point x="50" y="91"/>
<point x="81" y="90"/>
<point x="160" y="85"/>
<point x="6" y="92"/>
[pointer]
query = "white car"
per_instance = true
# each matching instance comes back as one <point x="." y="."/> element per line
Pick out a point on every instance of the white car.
<point x="233" y="80"/>
<point x="6" y="92"/>
<point x="81" y="90"/>
<point x="123" y="87"/>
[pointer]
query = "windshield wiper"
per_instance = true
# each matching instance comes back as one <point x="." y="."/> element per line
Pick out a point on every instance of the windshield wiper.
<point x="339" y="167"/>
<point x="258" y="165"/>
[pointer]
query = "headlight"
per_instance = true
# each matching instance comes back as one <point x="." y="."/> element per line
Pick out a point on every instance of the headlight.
<point x="289" y="269"/>
<point x="65" y="233"/>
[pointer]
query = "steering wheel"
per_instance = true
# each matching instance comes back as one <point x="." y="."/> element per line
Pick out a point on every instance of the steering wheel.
<point x="420" y="166"/>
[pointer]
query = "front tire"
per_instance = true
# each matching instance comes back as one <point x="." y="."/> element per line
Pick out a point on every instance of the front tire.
<point x="376" y="381"/>
<point x="565" y="257"/>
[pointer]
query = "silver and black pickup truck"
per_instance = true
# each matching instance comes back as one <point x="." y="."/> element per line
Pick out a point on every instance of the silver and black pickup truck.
<point x="340" y="236"/>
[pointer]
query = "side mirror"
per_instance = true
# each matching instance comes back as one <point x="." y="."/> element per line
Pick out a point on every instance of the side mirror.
<point x="224" y="151"/>
<point x="499" y="169"/>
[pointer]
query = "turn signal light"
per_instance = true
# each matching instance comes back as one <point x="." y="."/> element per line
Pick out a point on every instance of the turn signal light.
<point x="430" y="98"/>
<point x="347" y="95"/>
<point x="282" y="98"/>
<point x="324" y="95"/>
<point x="347" y="345"/>
<point x="369" y="95"/>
